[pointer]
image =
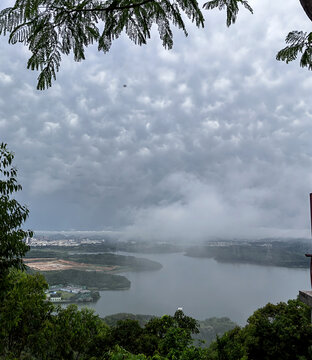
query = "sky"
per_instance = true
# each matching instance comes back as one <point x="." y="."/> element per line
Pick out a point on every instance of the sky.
<point x="211" y="139"/>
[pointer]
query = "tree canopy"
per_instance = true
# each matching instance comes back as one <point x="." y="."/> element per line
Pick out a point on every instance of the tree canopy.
<point x="280" y="332"/>
<point x="12" y="216"/>
<point x="52" y="28"/>
<point x="32" y="328"/>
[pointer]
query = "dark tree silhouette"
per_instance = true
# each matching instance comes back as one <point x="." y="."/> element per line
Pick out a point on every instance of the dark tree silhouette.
<point x="307" y="6"/>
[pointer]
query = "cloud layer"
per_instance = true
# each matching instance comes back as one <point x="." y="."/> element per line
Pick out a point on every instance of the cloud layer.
<point x="212" y="138"/>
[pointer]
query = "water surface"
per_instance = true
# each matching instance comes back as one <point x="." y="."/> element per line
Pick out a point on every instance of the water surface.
<point x="204" y="288"/>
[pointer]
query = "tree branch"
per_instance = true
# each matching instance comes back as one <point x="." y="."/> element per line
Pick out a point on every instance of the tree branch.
<point x="111" y="7"/>
<point x="307" y="7"/>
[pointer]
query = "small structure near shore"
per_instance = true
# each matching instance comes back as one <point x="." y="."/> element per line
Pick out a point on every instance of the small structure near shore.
<point x="71" y="294"/>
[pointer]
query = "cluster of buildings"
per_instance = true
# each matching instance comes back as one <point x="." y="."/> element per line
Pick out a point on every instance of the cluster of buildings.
<point x="68" y="294"/>
<point x="43" y="241"/>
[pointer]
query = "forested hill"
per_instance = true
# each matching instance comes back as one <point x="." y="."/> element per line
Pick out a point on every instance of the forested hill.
<point x="123" y="262"/>
<point x="97" y="271"/>
<point x="93" y="280"/>
<point x="270" y="253"/>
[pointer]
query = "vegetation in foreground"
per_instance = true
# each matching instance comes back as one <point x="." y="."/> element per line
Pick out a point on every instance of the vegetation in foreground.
<point x="51" y="29"/>
<point x="33" y="328"/>
<point x="208" y="329"/>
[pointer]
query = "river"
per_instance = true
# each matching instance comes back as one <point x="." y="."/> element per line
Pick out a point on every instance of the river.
<point x="203" y="287"/>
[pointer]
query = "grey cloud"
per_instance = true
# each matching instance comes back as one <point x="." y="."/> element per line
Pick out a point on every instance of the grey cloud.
<point x="209" y="139"/>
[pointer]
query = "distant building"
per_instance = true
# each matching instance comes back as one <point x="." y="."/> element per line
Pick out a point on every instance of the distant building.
<point x="55" y="298"/>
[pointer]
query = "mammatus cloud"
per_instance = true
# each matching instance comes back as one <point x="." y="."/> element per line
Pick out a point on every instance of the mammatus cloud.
<point x="209" y="139"/>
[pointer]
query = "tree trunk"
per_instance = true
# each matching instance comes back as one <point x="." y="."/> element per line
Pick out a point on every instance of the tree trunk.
<point x="307" y="6"/>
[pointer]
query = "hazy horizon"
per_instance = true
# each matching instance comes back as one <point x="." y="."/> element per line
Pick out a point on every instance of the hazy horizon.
<point x="126" y="236"/>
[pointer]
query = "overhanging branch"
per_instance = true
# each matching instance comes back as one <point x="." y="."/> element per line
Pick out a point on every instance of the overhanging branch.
<point x="307" y="6"/>
<point x="111" y="7"/>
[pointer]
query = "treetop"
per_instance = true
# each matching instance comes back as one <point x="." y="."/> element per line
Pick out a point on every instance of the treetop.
<point x="52" y="28"/>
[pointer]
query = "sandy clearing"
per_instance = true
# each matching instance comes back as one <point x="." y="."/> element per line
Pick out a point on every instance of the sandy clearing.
<point x="50" y="264"/>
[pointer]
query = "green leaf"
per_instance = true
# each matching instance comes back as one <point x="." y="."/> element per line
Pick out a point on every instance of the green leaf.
<point x="50" y="28"/>
<point x="231" y="7"/>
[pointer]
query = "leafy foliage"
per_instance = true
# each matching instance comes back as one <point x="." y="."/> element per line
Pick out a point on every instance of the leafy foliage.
<point x="12" y="216"/>
<point x="52" y="28"/>
<point x="168" y="336"/>
<point x="279" y="332"/>
<point x="112" y="320"/>
<point x="120" y="354"/>
<point x="75" y="334"/>
<point x="211" y="328"/>
<point x="299" y="43"/>
<point x="231" y="7"/>
<point x="23" y="312"/>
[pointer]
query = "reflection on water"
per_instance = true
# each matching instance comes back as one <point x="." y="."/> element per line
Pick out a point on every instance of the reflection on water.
<point x="204" y="288"/>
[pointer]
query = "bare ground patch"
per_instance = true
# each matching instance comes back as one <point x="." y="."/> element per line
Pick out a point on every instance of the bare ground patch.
<point x="52" y="264"/>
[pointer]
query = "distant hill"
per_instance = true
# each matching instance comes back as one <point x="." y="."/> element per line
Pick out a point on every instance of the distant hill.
<point x="63" y="265"/>
<point x="270" y="253"/>
<point x="95" y="280"/>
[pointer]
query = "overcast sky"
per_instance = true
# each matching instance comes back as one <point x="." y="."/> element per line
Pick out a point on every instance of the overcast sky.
<point x="212" y="138"/>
